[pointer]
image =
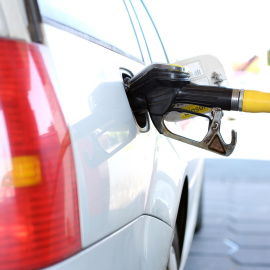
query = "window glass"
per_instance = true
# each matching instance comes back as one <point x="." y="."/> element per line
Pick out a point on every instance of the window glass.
<point x="138" y="30"/>
<point x="155" y="48"/>
<point x="105" y="20"/>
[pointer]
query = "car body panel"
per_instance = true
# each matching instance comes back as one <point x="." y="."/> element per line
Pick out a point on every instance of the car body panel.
<point x="13" y="20"/>
<point x="115" y="185"/>
<point x="143" y="244"/>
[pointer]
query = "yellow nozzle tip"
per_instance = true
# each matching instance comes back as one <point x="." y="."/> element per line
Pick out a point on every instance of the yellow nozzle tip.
<point x="177" y="65"/>
<point x="256" y="101"/>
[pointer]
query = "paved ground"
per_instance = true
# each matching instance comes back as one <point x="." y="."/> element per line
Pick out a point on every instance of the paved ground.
<point x="236" y="221"/>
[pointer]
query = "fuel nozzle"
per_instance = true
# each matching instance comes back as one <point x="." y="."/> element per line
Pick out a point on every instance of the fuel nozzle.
<point x="161" y="89"/>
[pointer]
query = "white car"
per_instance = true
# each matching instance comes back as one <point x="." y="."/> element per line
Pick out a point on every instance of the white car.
<point x="83" y="184"/>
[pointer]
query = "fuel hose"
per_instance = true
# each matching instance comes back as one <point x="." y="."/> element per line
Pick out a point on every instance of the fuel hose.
<point x="225" y="98"/>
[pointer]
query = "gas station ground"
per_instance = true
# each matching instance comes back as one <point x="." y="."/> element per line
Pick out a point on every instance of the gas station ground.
<point x="236" y="217"/>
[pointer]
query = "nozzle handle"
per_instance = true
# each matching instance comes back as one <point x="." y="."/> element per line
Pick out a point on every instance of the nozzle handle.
<point x="205" y="95"/>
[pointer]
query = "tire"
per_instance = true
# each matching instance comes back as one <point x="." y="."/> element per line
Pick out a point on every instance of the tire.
<point x="200" y="214"/>
<point x="179" y="231"/>
<point x="174" y="256"/>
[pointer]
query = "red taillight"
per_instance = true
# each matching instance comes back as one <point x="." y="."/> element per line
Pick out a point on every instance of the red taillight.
<point x="39" y="215"/>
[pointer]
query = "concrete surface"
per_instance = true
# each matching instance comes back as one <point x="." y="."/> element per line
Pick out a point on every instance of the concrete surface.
<point x="236" y="217"/>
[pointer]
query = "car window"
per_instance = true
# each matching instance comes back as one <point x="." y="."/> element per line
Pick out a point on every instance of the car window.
<point x="108" y="22"/>
<point x="153" y="41"/>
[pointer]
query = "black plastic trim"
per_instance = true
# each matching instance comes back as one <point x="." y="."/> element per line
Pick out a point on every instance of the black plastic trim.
<point x="34" y="20"/>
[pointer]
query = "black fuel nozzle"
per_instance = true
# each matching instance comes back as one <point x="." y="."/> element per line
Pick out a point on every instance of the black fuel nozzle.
<point x="155" y="89"/>
<point x="159" y="88"/>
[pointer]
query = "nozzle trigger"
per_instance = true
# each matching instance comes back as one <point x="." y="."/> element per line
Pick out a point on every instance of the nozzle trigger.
<point x="212" y="141"/>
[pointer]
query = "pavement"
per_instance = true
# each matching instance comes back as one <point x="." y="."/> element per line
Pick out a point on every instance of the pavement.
<point x="236" y="217"/>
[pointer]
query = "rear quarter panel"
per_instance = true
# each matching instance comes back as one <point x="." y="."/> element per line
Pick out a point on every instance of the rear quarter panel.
<point x="142" y="174"/>
<point x="123" y="175"/>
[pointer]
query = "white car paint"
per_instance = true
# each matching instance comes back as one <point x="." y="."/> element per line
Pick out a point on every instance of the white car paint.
<point x="13" y="20"/>
<point x="129" y="194"/>
<point x="143" y="253"/>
